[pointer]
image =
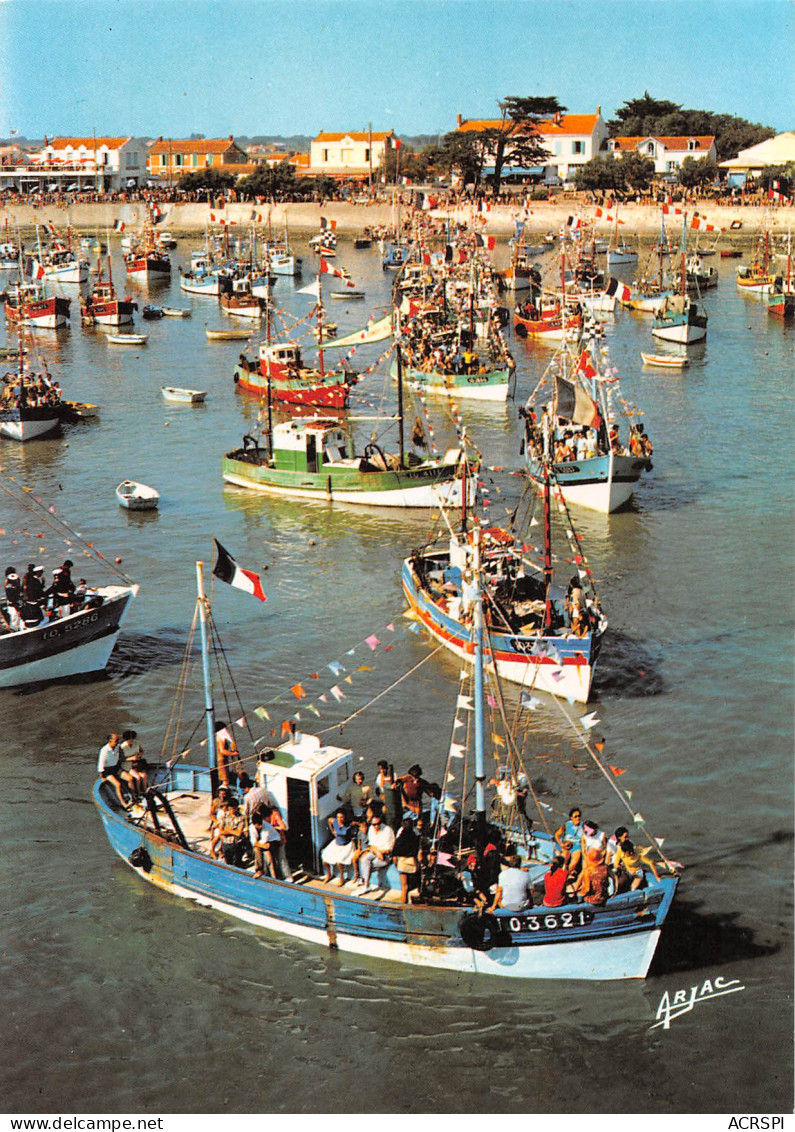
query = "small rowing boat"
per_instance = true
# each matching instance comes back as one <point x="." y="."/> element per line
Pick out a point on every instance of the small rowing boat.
<point x="346" y="294"/>
<point x="127" y="339"/>
<point x="78" y="410"/>
<point x="228" y="335"/>
<point x="137" y="496"/>
<point x="176" y="312"/>
<point x="668" y="361"/>
<point x="183" y="396"/>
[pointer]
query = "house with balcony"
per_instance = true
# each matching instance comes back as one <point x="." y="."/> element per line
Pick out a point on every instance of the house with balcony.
<point x="75" y="164"/>
<point x="172" y="158"/>
<point x="349" y="155"/>
<point x="569" y="140"/>
<point x="667" y="153"/>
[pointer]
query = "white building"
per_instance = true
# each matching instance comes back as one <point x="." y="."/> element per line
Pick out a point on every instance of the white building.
<point x="351" y="154"/>
<point x="750" y="162"/>
<point x="569" y="139"/>
<point x="667" y="153"/>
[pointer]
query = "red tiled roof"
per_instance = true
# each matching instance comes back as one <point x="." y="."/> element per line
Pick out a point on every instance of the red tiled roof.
<point x="89" y="143"/>
<point x="203" y="145"/>
<point x="567" y="124"/>
<point x="704" y="141"/>
<point x="362" y="135"/>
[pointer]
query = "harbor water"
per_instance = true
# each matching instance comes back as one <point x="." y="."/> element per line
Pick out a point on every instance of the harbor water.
<point x="121" y="998"/>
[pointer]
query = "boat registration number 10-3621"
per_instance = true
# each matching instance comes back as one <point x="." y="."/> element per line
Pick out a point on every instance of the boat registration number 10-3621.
<point x="551" y="921"/>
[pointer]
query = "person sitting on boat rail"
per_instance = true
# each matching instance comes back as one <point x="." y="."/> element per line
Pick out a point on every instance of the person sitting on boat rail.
<point x="514" y="890"/>
<point x="133" y="761"/>
<point x="628" y="867"/>
<point x="592" y="884"/>
<point x="556" y="879"/>
<point x="109" y="767"/>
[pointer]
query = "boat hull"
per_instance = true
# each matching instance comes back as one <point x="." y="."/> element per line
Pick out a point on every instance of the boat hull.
<point x="600" y="483"/>
<point x="436" y="485"/>
<point x="43" y="314"/>
<point x="75" y="272"/>
<point x="560" y="666"/>
<point x="28" y="424"/>
<point x="571" y="942"/>
<point x="327" y="394"/>
<point x="491" y="386"/>
<point x="71" y="646"/>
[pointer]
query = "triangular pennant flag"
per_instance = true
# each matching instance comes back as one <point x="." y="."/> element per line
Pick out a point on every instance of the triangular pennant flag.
<point x="450" y="777"/>
<point x="261" y="712"/>
<point x="298" y="691"/>
<point x="464" y="703"/>
<point x="336" y="667"/>
<point x="589" y="721"/>
<point x="287" y="728"/>
<point x="348" y="679"/>
<point x="372" y="641"/>
<point x="457" y="723"/>
<point x="457" y="751"/>
<point x="313" y="709"/>
<point x="617" y="770"/>
<point x="529" y="702"/>
<point x="600" y="747"/>
<point x="337" y="692"/>
<point x="498" y="741"/>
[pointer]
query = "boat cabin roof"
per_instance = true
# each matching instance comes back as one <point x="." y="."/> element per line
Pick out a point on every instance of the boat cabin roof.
<point x="304" y="757"/>
<point x="292" y="434"/>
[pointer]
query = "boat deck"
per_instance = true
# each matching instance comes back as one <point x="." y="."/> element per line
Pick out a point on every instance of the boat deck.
<point x="192" y="810"/>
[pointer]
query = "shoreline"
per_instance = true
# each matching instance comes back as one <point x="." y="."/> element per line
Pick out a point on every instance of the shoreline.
<point x="300" y="217"/>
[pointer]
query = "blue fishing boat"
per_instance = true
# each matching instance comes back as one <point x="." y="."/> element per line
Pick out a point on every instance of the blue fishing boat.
<point x="165" y="840"/>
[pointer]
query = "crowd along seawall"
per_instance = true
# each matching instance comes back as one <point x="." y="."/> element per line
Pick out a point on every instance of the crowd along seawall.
<point x="499" y="219"/>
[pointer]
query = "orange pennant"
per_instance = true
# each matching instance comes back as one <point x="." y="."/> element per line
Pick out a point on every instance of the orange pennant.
<point x="298" y="691"/>
<point x="617" y="770"/>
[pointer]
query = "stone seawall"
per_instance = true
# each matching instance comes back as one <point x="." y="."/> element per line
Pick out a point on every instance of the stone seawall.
<point x="641" y="220"/>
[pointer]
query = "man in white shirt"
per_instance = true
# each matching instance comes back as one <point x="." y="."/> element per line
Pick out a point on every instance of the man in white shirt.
<point x="109" y="766"/>
<point x="380" y="841"/>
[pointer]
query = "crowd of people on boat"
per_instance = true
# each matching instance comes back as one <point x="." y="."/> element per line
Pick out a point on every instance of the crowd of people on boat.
<point x="30" y="600"/>
<point x="448" y="357"/>
<point x="29" y="391"/>
<point x="571" y="443"/>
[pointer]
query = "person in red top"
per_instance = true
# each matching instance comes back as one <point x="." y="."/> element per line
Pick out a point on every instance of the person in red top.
<point x="555" y="881"/>
<point x="413" y="786"/>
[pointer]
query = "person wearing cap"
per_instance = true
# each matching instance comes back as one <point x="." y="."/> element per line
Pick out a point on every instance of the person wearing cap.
<point x="32" y="584"/>
<point x="232" y="831"/>
<point x="13" y="588"/>
<point x="60" y="592"/>
<point x="219" y="803"/>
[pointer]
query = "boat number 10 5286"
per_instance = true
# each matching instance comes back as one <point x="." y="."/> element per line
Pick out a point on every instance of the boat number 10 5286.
<point x="551" y="921"/>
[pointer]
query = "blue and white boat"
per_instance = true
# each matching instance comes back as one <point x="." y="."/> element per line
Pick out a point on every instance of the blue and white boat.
<point x="395" y="255"/>
<point x="165" y="841"/>
<point x="590" y="465"/>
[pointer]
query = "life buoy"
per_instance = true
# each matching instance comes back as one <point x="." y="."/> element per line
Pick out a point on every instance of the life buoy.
<point x="520" y="329"/>
<point x="140" y="859"/>
<point x="481" y="933"/>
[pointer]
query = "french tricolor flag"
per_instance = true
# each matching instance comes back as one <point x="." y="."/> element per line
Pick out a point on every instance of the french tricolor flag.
<point x="228" y="571"/>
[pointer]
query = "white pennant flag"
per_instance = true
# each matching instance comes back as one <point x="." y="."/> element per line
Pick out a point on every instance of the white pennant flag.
<point x="457" y="751"/>
<point x="589" y="721"/>
<point x="465" y="703"/>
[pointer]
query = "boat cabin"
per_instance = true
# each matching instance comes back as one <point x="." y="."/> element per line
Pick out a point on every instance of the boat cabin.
<point x="279" y="357"/>
<point x="306" y="445"/>
<point x="308" y="780"/>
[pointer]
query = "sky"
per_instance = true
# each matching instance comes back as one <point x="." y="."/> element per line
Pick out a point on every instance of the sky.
<point x="247" y="67"/>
